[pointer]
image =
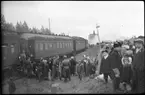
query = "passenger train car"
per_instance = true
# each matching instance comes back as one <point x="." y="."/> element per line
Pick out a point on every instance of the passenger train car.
<point x="38" y="45"/>
<point x="10" y="48"/>
<point x="45" y="45"/>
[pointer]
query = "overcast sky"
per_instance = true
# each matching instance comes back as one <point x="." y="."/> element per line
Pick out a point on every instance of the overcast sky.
<point x="117" y="19"/>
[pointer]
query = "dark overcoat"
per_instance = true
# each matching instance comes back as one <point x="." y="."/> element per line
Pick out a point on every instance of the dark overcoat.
<point x="73" y="65"/>
<point x="138" y="71"/>
<point x="105" y="65"/>
<point x="115" y="61"/>
<point x="12" y="87"/>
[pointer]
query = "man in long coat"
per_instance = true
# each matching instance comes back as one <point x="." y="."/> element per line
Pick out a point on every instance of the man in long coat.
<point x="45" y="69"/>
<point x="80" y="69"/>
<point x="105" y="67"/>
<point x="116" y="65"/>
<point x="66" y="68"/>
<point x="73" y="65"/>
<point x="138" y="67"/>
<point x="54" y="67"/>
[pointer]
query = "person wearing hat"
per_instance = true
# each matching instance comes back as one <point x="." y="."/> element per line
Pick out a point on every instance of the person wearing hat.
<point x="66" y="69"/>
<point x="116" y="65"/>
<point x="54" y="67"/>
<point x="84" y="60"/>
<point x="105" y="65"/>
<point x="80" y="69"/>
<point x="138" y="67"/>
<point x="73" y="65"/>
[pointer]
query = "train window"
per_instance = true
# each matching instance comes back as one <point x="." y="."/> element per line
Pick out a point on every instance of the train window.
<point x="66" y="44"/>
<point x="60" y="45"/>
<point x="4" y="45"/>
<point x="54" y="45"/>
<point x="46" y="46"/>
<point x="37" y="46"/>
<point x="12" y="48"/>
<point x="70" y="44"/>
<point x="50" y="45"/>
<point x="57" y="45"/>
<point x="41" y="46"/>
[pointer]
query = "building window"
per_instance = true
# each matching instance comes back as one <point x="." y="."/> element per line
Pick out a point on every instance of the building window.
<point x="41" y="46"/>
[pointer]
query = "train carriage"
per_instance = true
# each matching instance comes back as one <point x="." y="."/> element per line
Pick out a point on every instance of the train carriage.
<point x="10" y="48"/>
<point x="80" y="43"/>
<point x="47" y="45"/>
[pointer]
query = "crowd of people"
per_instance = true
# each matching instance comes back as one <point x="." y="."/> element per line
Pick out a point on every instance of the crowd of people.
<point x="57" y="67"/>
<point x="122" y="63"/>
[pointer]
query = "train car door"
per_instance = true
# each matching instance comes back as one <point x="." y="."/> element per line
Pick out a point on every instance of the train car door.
<point x="4" y="54"/>
<point x="31" y="49"/>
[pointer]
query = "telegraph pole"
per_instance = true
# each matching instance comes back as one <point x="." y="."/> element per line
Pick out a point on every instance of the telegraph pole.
<point x="97" y="26"/>
<point x="49" y="23"/>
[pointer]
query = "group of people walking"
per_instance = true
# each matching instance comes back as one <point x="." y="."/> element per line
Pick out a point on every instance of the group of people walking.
<point x="125" y="65"/>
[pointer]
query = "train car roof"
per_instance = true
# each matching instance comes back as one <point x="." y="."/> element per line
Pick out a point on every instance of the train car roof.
<point x="75" y="37"/>
<point x="6" y="33"/>
<point x="31" y="36"/>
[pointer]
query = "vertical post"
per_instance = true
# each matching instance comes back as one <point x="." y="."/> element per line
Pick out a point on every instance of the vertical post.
<point x="49" y="23"/>
<point x="98" y="35"/>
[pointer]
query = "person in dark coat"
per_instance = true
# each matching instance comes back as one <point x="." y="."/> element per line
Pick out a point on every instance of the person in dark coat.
<point x="45" y="69"/>
<point x="66" y="69"/>
<point x="12" y="86"/>
<point x="105" y="67"/>
<point x="92" y="69"/>
<point x="73" y="65"/>
<point x="88" y="66"/>
<point x="39" y="70"/>
<point x="116" y="65"/>
<point x="84" y="62"/>
<point x="80" y="69"/>
<point x="28" y="67"/>
<point x="54" y="68"/>
<point x="138" y="67"/>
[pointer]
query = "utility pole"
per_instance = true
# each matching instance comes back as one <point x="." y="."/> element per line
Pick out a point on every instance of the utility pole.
<point x="49" y="24"/>
<point x="97" y="26"/>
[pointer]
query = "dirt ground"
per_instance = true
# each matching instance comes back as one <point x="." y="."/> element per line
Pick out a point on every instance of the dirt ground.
<point x="87" y="85"/>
